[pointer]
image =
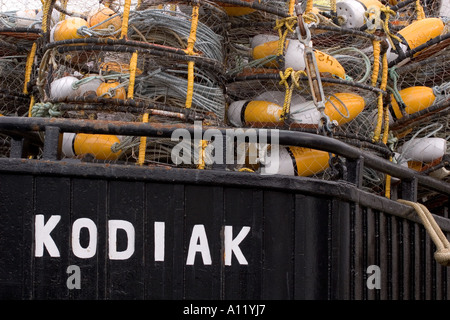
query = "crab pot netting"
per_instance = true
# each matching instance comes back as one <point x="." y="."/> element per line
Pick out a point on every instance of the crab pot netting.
<point x="160" y="82"/>
<point x="13" y="101"/>
<point x="90" y="77"/>
<point x="19" y="35"/>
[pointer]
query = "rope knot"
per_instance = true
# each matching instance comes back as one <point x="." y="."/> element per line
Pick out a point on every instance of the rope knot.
<point x="442" y="256"/>
<point x="45" y="110"/>
<point x="289" y="73"/>
<point x="288" y="25"/>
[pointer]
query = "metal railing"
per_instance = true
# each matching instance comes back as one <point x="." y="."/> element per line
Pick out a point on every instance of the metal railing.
<point x="356" y="159"/>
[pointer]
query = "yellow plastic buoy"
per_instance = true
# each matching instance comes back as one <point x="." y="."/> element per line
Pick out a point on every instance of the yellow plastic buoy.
<point x="67" y="29"/>
<point x="344" y="107"/>
<point x="341" y="107"/>
<point x="99" y="145"/>
<point x="296" y="161"/>
<point x="415" y="99"/>
<point x="237" y="11"/>
<point x="416" y="34"/>
<point x="99" y="20"/>
<point x="110" y="90"/>
<point x="293" y="58"/>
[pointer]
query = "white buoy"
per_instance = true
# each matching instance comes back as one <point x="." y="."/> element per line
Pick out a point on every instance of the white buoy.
<point x="423" y="149"/>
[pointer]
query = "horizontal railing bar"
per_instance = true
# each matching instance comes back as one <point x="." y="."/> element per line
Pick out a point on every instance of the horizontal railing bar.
<point x="289" y="138"/>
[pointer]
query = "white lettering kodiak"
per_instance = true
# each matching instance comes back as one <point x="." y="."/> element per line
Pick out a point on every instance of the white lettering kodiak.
<point x="198" y="240"/>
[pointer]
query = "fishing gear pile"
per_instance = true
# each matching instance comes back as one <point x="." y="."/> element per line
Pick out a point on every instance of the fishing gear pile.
<point x="370" y="73"/>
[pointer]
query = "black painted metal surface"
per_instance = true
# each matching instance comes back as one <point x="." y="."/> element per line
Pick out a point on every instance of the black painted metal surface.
<point x="307" y="239"/>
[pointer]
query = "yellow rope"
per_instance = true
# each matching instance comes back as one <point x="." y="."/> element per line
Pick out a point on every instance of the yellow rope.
<point x="377" y="131"/>
<point x="384" y="75"/>
<point x="190" y="51"/>
<point x="62" y="16"/>
<point x="28" y="69"/>
<point x="45" y="13"/>
<point x="284" y="27"/>
<point x="291" y="7"/>
<point x="309" y="6"/>
<point x="387" y="191"/>
<point x="388" y="12"/>
<point x="130" y="95"/>
<point x="442" y="253"/>
<point x="419" y="11"/>
<point x="376" y="61"/>
<point x="201" y="156"/>
<point x="143" y="143"/>
<point x="385" y="140"/>
<point x="126" y="16"/>
<point x="31" y="105"/>
<point x="193" y="33"/>
<point x="294" y="76"/>
<point x="190" y="85"/>
<point x="133" y="66"/>
<point x="383" y="84"/>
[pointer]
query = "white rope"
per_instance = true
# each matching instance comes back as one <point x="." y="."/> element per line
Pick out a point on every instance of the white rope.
<point x="442" y="254"/>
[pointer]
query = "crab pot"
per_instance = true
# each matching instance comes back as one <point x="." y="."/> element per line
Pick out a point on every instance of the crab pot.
<point x="15" y="88"/>
<point x="99" y="89"/>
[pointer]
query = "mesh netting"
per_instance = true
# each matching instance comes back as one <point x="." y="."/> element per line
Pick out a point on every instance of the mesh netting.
<point x="236" y="64"/>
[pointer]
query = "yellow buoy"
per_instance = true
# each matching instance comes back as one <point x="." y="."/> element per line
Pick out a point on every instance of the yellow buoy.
<point x="414" y="99"/>
<point x="309" y="161"/>
<point x="293" y="58"/>
<point x="295" y="161"/>
<point x="344" y="107"/>
<point x="111" y="90"/>
<point x="99" y="19"/>
<point x="255" y="113"/>
<point x="99" y="145"/>
<point x="237" y="11"/>
<point x="420" y="31"/>
<point x="67" y="29"/>
<point x="341" y="107"/>
<point x="416" y="34"/>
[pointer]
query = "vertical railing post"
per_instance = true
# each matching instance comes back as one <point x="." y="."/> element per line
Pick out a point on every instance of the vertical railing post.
<point x="409" y="189"/>
<point x="16" y="150"/>
<point x="51" y="145"/>
<point x="354" y="172"/>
